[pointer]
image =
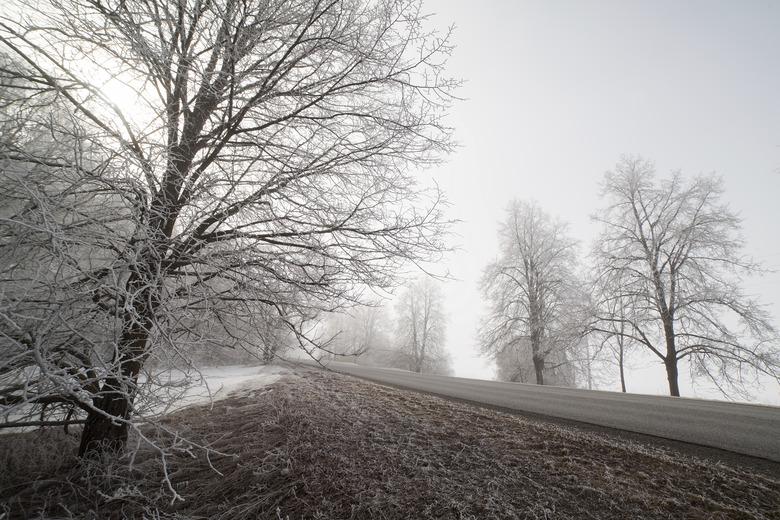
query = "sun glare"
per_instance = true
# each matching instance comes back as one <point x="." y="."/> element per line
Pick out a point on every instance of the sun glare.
<point x="122" y="96"/>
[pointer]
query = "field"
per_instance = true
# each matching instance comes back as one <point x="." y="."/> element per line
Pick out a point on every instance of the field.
<point x="320" y="445"/>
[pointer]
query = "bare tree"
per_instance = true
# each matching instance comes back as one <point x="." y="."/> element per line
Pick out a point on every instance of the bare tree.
<point x="231" y="333"/>
<point x="612" y="311"/>
<point x="670" y="250"/>
<point x="533" y="293"/>
<point x="356" y="332"/>
<point x="514" y="363"/>
<point x="264" y="162"/>
<point x="421" y="326"/>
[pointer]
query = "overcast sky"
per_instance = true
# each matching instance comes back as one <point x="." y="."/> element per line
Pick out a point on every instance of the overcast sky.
<point x="558" y="90"/>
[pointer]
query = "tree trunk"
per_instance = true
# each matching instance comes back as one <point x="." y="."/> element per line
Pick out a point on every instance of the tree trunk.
<point x="107" y="427"/>
<point x="102" y="433"/>
<point x="537" y="357"/>
<point x="622" y="376"/>
<point x="621" y="358"/>
<point x="588" y="366"/>
<point x="539" y="369"/>
<point x="670" y="361"/>
<point x="536" y="331"/>
<point x="672" y="376"/>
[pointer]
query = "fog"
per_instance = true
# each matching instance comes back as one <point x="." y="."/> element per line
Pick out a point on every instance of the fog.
<point x="556" y="92"/>
<point x="246" y="245"/>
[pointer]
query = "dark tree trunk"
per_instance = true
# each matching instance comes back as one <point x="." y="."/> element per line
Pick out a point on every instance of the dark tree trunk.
<point x="536" y="332"/>
<point x="672" y="376"/>
<point x="670" y="361"/>
<point x="537" y="357"/>
<point x="107" y="426"/>
<point x="621" y="359"/>
<point x="103" y="432"/>
<point x="622" y="377"/>
<point x="589" y="368"/>
<point x="539" y="369"/>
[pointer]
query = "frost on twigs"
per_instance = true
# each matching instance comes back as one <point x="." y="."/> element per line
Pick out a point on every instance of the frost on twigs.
<point x="180" y="178"/>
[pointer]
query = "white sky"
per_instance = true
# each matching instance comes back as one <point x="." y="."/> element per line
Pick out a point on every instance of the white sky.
<point x="558" y="90"/>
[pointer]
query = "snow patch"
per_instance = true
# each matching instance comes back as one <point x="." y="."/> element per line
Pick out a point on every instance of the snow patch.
<point x="215" y="383"/>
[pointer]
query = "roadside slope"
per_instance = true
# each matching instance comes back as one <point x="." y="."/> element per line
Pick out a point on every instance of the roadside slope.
<point x="741" y="428"/>
<point x="350" y="448"/>
<point x="324" y="445"/>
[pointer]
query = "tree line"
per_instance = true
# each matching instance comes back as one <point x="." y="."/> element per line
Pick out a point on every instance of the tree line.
<point x="410" y="334"/>
<point x="665" y="277"/>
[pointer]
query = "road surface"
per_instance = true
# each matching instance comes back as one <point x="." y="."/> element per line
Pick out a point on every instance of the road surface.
<point x="742" y="428"/>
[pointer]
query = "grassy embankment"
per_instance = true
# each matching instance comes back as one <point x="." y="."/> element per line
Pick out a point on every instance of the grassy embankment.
<point x="329" y="446"/>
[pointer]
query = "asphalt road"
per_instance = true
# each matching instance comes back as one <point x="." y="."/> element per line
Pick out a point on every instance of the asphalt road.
<point x="741" y="428"/>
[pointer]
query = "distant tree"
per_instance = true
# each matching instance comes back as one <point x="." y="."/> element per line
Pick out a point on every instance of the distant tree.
<point x="356" y="333"/>
<point x="533" y="294"/>
<point x="669" y="260"/>
<point x="421" y="327"/>
<point x="514" y="363"/>
<point x="266" y="161"/>
<point x="376" y="330"/>
<point x="235" y="332"/>
<point x="612" y="311"/>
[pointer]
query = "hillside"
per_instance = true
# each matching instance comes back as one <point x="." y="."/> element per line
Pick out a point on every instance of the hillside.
<point x="320" y="445"/>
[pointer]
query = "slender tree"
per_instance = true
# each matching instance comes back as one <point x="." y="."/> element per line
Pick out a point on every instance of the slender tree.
<point x="611" y="313"/>
<point x="670" y="258"/>
<point x="356" y="332"/>
<point x="421" y="327"/>
<point x="261" y="157"/>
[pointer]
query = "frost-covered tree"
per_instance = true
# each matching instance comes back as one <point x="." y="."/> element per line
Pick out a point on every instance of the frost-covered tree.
<point x="533" y="294"/>
<point x="262" y="158"/>
<point x="356" y="333"/>
<point x="670" y="261"/>
<point x="421" y="327"/>
<point x="611" y="313"/>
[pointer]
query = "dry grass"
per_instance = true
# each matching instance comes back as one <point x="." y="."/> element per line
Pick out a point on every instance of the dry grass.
<point x="329" y="446"/>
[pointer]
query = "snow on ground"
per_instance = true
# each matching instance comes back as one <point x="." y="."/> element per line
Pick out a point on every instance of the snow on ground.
<point x="210" y="384"/>
<point x="196" y="387"/>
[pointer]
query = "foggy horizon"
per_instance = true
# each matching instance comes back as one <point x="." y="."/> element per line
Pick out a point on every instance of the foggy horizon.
<point x="430" y="259"/>
<point x="557" y="92"/>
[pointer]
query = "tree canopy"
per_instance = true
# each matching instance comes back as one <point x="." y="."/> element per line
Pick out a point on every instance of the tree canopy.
<point x="265" y="166"/>
<point x="671" y="249"/>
